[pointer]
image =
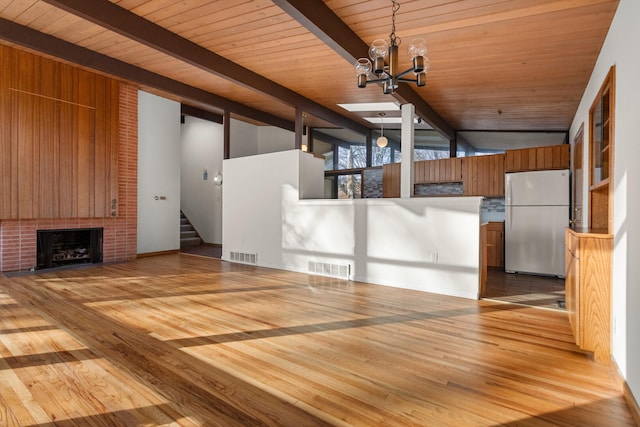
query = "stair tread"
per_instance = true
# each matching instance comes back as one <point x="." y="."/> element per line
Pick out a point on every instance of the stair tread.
<point x="191" y="241"/>
<point x="188" y="234"/>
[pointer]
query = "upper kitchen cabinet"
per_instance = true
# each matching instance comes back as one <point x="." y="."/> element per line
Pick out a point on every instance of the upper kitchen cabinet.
<point x="483" y="175"/>
<point x="391" y="180"/>
<point x="538" y="158"/>
<point x="438" y="171"/>
<point x="601" y="138"/>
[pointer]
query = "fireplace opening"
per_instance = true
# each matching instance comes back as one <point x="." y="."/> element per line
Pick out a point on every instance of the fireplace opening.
<point x="58" y="248"/>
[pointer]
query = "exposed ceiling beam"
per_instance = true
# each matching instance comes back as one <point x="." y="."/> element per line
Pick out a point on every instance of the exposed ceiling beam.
<point x="50" y="45"/>
<point x="320" y="20"/>
<point x="128" y="24"/>
<point x="188" y="110"/>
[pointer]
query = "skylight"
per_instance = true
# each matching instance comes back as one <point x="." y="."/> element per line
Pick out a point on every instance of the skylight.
<point x="371" y="106"/>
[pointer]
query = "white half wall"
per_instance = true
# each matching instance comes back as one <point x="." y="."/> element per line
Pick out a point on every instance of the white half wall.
<point x="201" y="199"/>
<point x="158" y="174"/>
<point x="621" y="49"/>
<point x="427" y="244"/>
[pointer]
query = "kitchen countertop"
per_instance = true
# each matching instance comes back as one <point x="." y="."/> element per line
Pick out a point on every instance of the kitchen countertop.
<point x="591" y="232"/>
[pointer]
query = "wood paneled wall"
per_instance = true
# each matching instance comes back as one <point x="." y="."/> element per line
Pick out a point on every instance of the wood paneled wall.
<point x="58" y="139"/>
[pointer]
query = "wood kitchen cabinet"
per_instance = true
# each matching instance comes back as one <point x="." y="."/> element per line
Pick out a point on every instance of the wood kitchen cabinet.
<point x="539" y="158"/>
<point x="601" y="141"/>
<point x="483" y="175"/>
<point x="588" y="290"/>
<point x="495" y="245"/>
<point x="391" y="180"/>
<point x="437" y="171"/>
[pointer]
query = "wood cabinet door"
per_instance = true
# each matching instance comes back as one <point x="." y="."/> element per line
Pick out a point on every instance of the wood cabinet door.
<point x="483" y="175"/>
<point x="438" y="171"/>
<point x="391" y="180"/>
<point x="495" y="246"/>
<point x="538" y="158"/>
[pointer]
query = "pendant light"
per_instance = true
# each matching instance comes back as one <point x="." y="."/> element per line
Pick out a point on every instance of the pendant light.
<point x="382" y="140"/>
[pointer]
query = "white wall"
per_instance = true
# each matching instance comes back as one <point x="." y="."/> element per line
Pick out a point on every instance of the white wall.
<point x="158" y="174"/>
<point x="428" y="244"/>
<point x="621" y="49"/>
<point x="201" y="200"/>
<point x="272" y="139"/>
<point x="244" y="139"/>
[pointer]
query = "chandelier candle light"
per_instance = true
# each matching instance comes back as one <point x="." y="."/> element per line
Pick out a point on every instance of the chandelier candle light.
<point x="388" y="74"/>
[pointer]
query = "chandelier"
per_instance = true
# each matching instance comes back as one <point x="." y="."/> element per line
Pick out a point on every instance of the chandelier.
<point x="388" y="74"/>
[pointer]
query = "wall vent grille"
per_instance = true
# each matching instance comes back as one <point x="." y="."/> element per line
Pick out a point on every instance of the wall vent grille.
<point x="327" y="269"/>
<point x="244" y="258"/>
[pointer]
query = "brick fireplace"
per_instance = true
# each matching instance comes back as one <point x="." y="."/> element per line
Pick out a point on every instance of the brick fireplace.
<point x="18" y="238"/>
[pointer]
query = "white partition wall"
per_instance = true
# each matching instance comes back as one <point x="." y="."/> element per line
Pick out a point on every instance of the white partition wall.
<point x="158" y="174"/>
<point x="427" y="244"/>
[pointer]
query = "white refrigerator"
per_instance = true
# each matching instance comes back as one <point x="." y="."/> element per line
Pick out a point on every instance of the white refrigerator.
<point x="536" y="215"/>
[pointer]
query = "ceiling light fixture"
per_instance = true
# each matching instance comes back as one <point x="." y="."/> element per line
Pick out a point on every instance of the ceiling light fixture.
<point x="387" y="74"/>
<point x="382" y="140"/>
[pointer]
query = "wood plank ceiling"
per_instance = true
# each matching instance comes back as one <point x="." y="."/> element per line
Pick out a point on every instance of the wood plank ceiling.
<point x="495" y="64"/>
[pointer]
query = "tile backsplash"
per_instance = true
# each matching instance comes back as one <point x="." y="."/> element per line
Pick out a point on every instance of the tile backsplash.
<point x="492" y="209"/>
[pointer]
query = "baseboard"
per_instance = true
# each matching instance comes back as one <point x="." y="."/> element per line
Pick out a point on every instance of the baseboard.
<point x="632" y="402"/>
<point x="148" y="254"/>
<point x="634" y="408"/>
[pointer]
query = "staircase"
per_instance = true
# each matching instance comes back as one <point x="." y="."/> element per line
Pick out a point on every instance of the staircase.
<point x="188" y="235"/>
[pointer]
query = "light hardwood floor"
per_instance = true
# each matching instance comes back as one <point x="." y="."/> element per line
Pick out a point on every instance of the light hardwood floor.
<point x="186" y="340"/>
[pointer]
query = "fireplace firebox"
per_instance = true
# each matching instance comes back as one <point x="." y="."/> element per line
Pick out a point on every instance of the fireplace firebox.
<point x="58" y="248"/>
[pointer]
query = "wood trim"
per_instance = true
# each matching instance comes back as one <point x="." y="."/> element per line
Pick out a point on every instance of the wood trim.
<point x="612" y="119"/>
<point x="601" y="194"/>
<point x="482" y="287"/>
<point x="158" y="253"/>
<point x="634" y="408"/>
<point x="631" y="401"/>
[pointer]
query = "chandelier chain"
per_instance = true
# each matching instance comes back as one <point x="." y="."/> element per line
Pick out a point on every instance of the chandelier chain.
<point x="395" y="40"/>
